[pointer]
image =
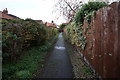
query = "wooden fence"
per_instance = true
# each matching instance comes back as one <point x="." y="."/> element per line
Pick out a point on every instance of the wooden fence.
<point x="103" y="41"/>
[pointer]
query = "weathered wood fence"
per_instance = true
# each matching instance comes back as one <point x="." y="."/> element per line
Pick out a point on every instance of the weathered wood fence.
<point x="103" y="41"/>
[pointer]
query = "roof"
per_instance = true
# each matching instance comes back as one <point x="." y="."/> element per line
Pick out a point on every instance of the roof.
<point x="65" y="23"/>
<point x="50" y="24"/>
<point x="13" y="16"/>
<point x="40" y="21"/>
<point x="4" y="14"/>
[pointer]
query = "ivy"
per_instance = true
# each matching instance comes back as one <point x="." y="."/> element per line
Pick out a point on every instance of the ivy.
<point x="89" y="16"/>
<point x="75" y="30"/>
<point x="86" y="30"/>
<point x="87" y="9"/>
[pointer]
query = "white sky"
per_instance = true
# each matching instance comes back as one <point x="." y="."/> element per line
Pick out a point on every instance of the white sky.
<point x="35" y="9"/>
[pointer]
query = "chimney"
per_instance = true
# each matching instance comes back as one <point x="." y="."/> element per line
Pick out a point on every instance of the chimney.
<point x="5" y="11"/>
<point x="52" y="21"/>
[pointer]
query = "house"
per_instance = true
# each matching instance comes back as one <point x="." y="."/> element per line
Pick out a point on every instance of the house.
<point x="39" y="21"/>
<point x="4" y="15"/>
<point x="52" y="24"/>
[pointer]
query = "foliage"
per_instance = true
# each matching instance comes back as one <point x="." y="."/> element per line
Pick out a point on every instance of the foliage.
<point x="62" y="26"/>
<point x="75" y="31"/>
<point x="89" y="16"/>
<point x="87" y="70"/>
<point x="87" y="9"/>
<point x="28" y="64"/>
<point x="19" y="35"/>
<point x="23" y="74"/>
<point x="75" y="35"/>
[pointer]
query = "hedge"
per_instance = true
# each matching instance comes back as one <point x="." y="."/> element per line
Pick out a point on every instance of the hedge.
<point x="19" y="34"/>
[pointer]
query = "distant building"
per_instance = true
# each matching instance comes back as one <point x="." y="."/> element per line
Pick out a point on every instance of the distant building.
<point x="52" y="24"/>
<point x="4" y="15"/>
<point x="39" y="21"/>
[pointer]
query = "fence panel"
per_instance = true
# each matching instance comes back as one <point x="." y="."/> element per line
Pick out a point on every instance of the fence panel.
<point x="104" y="56"/>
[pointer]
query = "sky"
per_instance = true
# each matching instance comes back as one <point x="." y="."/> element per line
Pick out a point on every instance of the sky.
<point x="34" y="9"/>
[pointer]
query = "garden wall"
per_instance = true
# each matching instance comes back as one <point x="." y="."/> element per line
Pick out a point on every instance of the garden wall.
<point x="103" y="41"/>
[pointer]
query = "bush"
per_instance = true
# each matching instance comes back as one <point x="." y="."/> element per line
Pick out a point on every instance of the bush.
<point x="74" y="34"/>
<point x="62" y="27"/>
<point x="23" y="74"/>
<point x="87" y="9"/>
<point x="33" y="59"/>
<point x="19" y="35"/>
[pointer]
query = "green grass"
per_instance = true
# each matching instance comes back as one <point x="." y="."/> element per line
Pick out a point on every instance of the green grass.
<point x="29" y="63"/>
<point x="87" y="70"/>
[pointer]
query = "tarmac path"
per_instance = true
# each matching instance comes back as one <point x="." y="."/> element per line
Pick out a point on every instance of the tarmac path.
<point x="58" y="65"/>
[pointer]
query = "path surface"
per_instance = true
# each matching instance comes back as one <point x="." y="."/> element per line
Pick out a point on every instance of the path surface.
<point x="58" y="65"/>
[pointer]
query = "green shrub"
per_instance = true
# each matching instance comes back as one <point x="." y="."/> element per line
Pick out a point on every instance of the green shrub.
<point x="74" y="33"/>
<point x="23" y="74"/>
<point x="86" y="9"/>
<point x="20" y="34"/>
<point x="25" y="67"/>
<point x="61" y="27"/>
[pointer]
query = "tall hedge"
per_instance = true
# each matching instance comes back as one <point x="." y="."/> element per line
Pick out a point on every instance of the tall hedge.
<point x="19" y="34"/>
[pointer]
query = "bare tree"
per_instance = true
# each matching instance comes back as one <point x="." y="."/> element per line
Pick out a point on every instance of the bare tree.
<point x="68" y="8"/>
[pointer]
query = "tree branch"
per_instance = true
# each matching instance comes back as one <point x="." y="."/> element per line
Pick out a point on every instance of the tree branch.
<point x="70" y="6"/>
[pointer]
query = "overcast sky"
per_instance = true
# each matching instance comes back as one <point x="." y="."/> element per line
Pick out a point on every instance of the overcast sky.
<point x="34" y="9"/>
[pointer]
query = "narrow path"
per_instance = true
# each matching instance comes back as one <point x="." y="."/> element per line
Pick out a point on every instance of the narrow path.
<point x="58" y="65"/>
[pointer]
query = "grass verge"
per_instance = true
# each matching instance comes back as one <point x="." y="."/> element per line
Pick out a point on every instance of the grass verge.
<point x="28" y="64"/>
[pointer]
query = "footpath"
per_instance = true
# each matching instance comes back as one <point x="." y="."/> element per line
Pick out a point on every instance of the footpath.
<point x="58" y="65"/>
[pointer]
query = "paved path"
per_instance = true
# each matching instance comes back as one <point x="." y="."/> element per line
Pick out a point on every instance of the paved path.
<point x="58" y="65"/>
